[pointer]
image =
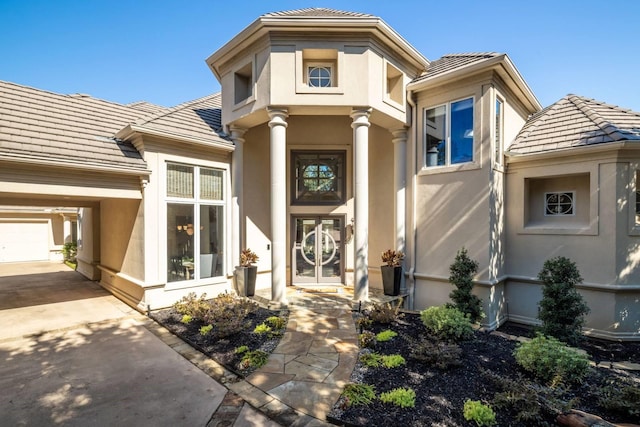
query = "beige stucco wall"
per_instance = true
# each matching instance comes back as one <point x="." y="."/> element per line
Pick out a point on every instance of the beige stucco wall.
<point x="598" y="239"/>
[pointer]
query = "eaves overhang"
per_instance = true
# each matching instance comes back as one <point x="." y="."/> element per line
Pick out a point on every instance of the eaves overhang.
<point x="314" y="24"/>
<point x="501" y="64"/>
<point x="129" y="131"/>
<point x="572" y="151"/>
<point x="74" y="164"/>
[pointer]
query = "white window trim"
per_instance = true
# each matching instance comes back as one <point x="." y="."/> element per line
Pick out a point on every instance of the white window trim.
<point x="499" y="165"/>
<point x="632" y="196"/>
<point x="456" y="167"/>
<point x="184" y="284"/>
<point x="320" y="64"/>
<point x="573" y="204"/>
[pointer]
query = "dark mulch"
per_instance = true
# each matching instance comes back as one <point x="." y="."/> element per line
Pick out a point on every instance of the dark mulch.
<point x="223" y="350"/>
<point x="440" y="395"/>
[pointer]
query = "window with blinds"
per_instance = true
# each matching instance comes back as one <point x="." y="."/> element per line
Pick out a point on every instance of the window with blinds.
<point x="211" y="184"/>
<point x="179" y="181"/>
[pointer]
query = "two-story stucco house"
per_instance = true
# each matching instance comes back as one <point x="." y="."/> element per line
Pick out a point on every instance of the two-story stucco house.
<point x="332" y="140"/>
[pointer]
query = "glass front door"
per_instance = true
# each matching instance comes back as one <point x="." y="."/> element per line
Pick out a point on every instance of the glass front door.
<point x="317" y="251"/>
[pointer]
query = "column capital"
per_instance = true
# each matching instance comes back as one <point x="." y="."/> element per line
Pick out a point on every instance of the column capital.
<point x="360" y="117"/>
<point x="237" y="133"/>
<point x="278" y="116"/>
<point x="399" y="135"/>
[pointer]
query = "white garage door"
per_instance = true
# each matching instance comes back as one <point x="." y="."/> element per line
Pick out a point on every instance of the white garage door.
<point x="24" y="241"/>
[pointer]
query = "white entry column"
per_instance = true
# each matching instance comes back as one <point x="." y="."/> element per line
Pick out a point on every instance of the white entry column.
<point x="278" y="164"/>
<point x="399" y="188"/>
<point x="360" y="127"/>
<point x="237" y="229"/>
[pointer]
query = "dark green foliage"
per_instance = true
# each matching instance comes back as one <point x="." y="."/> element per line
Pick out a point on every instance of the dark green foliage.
<point x="70" y="251"/>
<point x="562" y="308"/>
<point x="447" y="323"/>
<point x="439" y="354"/>
<point x="622" y="399"/>
<point x="462" y="271"/>
<point x="529" y="404"/>
<point x="552" y="361"/>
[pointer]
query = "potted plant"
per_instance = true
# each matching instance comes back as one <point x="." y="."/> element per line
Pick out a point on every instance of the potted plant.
<point x="392" y="271"/>
<point x="246" y="273"/>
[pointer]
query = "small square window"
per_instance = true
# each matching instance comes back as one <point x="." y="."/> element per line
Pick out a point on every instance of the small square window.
<point x="559" y="204"/>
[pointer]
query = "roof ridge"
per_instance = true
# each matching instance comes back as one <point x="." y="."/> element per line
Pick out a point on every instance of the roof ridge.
<point x="479" y="54"/>
<point x="613" y="131"/>
<point x="337" y="13"/>
<point x="171" y="110"/>
<point x="536" y="119"/>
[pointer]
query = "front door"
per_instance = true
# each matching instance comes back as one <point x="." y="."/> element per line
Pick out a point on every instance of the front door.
<point x="317" y="250"/>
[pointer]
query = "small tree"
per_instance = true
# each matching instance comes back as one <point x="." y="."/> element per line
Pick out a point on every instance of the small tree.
<point x="562" y="308"/>
<point x="462" y="271"/>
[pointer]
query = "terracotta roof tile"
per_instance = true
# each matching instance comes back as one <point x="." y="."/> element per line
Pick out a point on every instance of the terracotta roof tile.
<point x="576" y="121"/>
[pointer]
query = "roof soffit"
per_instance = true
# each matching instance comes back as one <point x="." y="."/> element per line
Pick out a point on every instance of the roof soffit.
<point x="315" y="25"/>
<point x="501" y="64"/>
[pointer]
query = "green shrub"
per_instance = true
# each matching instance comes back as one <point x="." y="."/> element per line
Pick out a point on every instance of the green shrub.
<point x="367" y="339"/>
<point x="562" y="308"/>
<point x="462" y="271"/>
<point x="186" y="319"/>
<point x="385" y="313"/>
<point x="241" y="349"/>
<point x="70" y="252"/>
<point x="261" y="329"/>
<point x="393" y="361"/>
<point x="483" y="415"/>
<point x="375" y="360"/>
<point x="192" y="305"/>
<point x="402" y="397"/>
<point x="442" y="355"/>
<point x="276" y="322"/>
<point x="229" y="314"/>
<point x="386" y="335"/>
<point x="551" y="360"/>
<point x="447" y="323"/>
<point x="358" y="394"/>
<point x="205" y="330"/>
<point x="255" y="359"/>
<point x="623" y="400"/>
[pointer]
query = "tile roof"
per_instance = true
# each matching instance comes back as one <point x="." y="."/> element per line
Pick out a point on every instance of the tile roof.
<point x="319" y="12"/>
<point x="199" y="119"/>
<point x="41" y="126"/>
<point x="576" y="121"/>
<point x="454" y="61"/>
<point x="147" y="107"/>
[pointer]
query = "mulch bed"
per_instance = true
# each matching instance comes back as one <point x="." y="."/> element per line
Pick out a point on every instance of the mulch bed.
<point x="440" y="395"/>
<point x="223" y="350"/>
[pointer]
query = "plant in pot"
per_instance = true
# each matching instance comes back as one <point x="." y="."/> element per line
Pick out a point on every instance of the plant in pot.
<point x="392" y="271"/>
<point x="246" y="273"/>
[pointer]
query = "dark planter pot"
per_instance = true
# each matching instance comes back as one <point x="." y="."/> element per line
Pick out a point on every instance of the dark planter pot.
<point x="391" y="278"/>
<point x="246" y="280"/>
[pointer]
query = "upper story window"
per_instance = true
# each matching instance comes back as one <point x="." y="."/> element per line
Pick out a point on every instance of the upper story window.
<point x="449" y="133"/>
<point x="318" y="177"/>
<point x="559" y="203"/>
<point x="320" y="76"/>
<point x="498" y="131"/>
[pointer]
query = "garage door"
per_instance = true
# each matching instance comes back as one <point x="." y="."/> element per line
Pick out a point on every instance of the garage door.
<point x="24" y="241"/>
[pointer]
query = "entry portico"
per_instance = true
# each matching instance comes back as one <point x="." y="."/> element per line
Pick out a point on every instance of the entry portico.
<point x="322" y="97"/>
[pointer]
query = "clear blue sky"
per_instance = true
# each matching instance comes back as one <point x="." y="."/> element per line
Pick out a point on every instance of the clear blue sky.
<point x="154" y="50"/>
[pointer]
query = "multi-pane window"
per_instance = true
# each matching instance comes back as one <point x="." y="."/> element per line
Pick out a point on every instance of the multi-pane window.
<point x="195" y="222"/>
<point x="319" y="177"/>
<point x="498" y="131"/>
<point x="559" y="203"/>
<point x="319" y="76"/>
<point x="449" y="133"/>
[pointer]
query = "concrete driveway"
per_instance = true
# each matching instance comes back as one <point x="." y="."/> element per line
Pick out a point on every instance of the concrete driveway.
<point x="72" y="354"/>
